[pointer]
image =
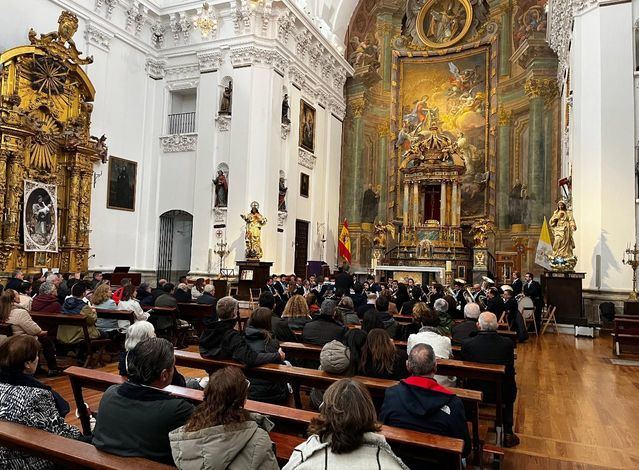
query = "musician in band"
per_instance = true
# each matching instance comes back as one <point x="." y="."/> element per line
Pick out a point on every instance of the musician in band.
<point x="494" y="302"/>
<point x="458" y="290"/>
<point x="532" y="289"/>
<point x="513" y="316"/>
<point x="516" y="283"/>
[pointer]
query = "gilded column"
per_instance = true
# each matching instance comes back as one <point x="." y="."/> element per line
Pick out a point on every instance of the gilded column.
<point x="405" y="208"/>
<point x="353" y="201"/>
<point x="503" y="175"/>
<point x="84" y="208"/>
<point x="415" y="204"/>
<point x="383" y="132"/>
<point x="3" y="184"/>
<point x="454" y="201"/>
<point x="442" y="206"/>
<point x="14" y="189"/>
<point x="72" y="214"/>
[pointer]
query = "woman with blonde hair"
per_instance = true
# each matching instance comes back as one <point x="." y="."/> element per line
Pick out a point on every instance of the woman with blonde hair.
<point x="296" y="312"/>
<point x="102" y="298"/>
<point x="345" y="434"/>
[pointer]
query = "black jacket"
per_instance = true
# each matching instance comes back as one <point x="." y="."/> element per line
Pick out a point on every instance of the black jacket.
<point x="13" y="283"/>
<point x="363" y="309"/>
<point x="495" y="305"/>
<point x="533" y="291"/>
<point x="420" y="404"/>
<point x="297" y="323"/>
<point x="358" y="300"/>
<point x="263" y="389"/>
<point x="491" y="348"/>
<point x="390" y="325"/>
<point x="281" y="329"/>
<point x="517" y="286"/>
<point x="464" y="330"/>
<point x="182" y="296"/>
<point x="206" y="299"/>
<point x="344" y="282"/>
<point x="323" y="329"/>
<point x="220" y="340"/>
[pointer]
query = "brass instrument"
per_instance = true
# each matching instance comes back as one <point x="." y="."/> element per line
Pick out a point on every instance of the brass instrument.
<point x="468" y="295"/>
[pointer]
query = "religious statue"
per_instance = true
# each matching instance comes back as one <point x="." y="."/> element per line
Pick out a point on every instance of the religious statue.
<point x="562" y="224"/>
<point x="480" y="230"/>
<point x="254" y="222"/>
<point x="370" y="203"/>
<point x="365" y="53"/>
<point x="285" y="109"/>
<point x="380" y="233"/>
<point x="225" y="103"/>
<point x="281" y="198"/>
<point x="221" y="189"/>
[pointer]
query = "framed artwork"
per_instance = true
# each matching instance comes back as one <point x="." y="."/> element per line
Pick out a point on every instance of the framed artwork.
<point x="40" y="219"/>
<point x="461" y="272"/>
<point x="307" y="126"/>
<point x="247" y="275"/>
<point x="121" y="184"/>
<point x="40" y="259"/>
<point x="443" y="23"/>
<point x="304" y="184"/>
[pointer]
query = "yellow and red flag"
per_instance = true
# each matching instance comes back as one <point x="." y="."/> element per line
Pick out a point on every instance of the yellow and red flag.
<point x="344" y="243"/>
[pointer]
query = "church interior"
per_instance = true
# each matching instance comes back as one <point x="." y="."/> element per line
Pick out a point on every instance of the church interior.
<point x="255" y="234"/>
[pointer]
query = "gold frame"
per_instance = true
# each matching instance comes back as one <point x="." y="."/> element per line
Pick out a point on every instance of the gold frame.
<point x="135" y="185"/>
<point x="303" y="106"/>
<point x="420" y="25"/>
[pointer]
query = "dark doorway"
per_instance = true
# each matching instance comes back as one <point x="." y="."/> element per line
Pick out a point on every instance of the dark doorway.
<point x="174" y="256"/>
<point x="432" y="202"/>
<point x="301" y="247"/>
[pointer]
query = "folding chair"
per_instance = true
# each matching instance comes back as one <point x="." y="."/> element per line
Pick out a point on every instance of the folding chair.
<point x="233" y="291"/>
<point x="528" y="314"/>
<point x="255" y="297"/>
<point x="549" y="318"/>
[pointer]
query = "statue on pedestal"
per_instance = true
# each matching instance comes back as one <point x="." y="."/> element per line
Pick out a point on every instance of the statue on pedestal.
<point x="562" y="224"/>
<point x="221" y="189"/>
<point x="225" y="102"/>
<point x="253" y="238"/>
<point x="480" y="230"/>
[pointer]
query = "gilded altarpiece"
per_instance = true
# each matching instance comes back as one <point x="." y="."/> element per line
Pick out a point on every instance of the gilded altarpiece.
<point x="485" y="74"/>
<point x="45" y="115"/>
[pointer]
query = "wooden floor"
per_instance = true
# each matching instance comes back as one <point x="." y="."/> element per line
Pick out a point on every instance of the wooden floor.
<point x="575" y="410"/>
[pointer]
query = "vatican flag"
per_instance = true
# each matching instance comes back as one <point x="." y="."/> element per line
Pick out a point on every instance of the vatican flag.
<point x="544" y="247"/>
<point x="344" y="243"/>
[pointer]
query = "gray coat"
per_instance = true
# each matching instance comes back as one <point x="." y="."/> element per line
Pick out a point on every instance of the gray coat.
<point x="242" y="446"/>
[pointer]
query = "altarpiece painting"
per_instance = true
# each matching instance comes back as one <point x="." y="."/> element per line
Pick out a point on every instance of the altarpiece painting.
<point x="122" y="174"/>
<point x="40" y="217"/>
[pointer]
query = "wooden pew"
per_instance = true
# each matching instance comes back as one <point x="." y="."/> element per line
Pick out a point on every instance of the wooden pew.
<point x="50" y="322"/>
<point x="116" y="314"/>
<point x="68" y="453"/>
<point x="625" y="333"/>
<point x="441" y="449"/>
<point x="299" y="376"/>
<point x="170" y="312"/>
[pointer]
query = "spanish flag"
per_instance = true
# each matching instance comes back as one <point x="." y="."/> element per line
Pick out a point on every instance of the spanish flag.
<point x="344" y="243"/>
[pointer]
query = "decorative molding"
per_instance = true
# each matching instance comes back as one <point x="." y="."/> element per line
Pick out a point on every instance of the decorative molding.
<point x="248" y="55"/>
<point x="98" y="37"/>
<point x="241" y="13"/>
<point x="178" y="143"/>
<point x="219" y="215"/>
<point x="183" y="84"/>
<point x="157" y="35"/>
<point x="183" y="71"/>
<point x="110" y="5"/>
<point x="285" y="25"/>
<point x="306" y="158"/>
<point x="580" y="5"/>
<point x="134" y="18"/>
<point x="156" y="69"/>
<point x="286" y="130"/>
<point x="281" y="218"/>
<point x="209" y="61"/>
<point x="223" y="122"/>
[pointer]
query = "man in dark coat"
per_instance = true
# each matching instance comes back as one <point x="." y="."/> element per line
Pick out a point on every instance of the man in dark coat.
<point x="494" y="302"/>
<point x="324" y="328"/>
<point x="532" y="289"/>
<point x="515" y="320"/>
<point x="207" y="297"/>
<point x="468" y="327"/>
<point x="220" y="339"/>
<point x="517" y="285"/>
<point x="343" y="281"/>
<point x="421" y="404"/>
<point x="489" y="347"/>
<point x="358" y="298"/>
<point x="369" y="305"/>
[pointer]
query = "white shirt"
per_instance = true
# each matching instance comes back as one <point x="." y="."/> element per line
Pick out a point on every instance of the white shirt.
<point x="134" y="305"/>
<point x="195" y="293"/>
<point x="441" y="346"/>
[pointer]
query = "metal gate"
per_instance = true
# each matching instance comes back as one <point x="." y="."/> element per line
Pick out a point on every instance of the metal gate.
<point x="166" y="246"/>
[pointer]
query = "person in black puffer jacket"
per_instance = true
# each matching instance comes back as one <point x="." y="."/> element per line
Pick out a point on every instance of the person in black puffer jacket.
<point x="260" y="339"/>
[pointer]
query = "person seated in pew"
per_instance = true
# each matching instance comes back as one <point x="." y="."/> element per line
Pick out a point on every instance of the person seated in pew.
<point x="430" y="334"/>
<point x="23" y="291"/>
<point x="14" y="314"/>
<point x="259" y="337"/>
<point x="345" y="435"/>
<point x="369" y="305"/>
<point x="221" y="434"/>
<point x="167" y="299"/>
<point x="134" y="418"/>
<point x="371" y="321"/>
<point x="75" y="305"/>
<point x="513" y="316"/>
<point x="117" y="295"/>
<point x="279" y="326"/>
<point x="96" y="280"/>
<point x="421" y="404"/>
<point x="381" y="310"/>
<point x="47" y="299"/>
<point x="346" y="308"/>
<point x="296" y="313"/>
<point x="141" y="331"/>
<point x="392" y="305"/>
<point x="102" y="298"/>
<point x="198" y="288"/>
<point x="159" y="289"/>
<point x="144" y="294"/>
<point x="491" y="348"/>
<point x="26" y="401"/>
<point x="208" y="295"/>
<point x="359" y="297"/>
<point x="405" y="330"/>
<point x="311" y="301"/>
<point x="130" y="302"/>
<point x="468" y="327"/>
<point x="446" y="322"/>
<point x="183" y="293"/>
<point x="220" y="339"/>
<point x="381" y="359"/>
<point x="324" y="327"/>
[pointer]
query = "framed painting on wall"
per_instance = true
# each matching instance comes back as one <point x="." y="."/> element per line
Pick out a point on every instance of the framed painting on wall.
<point x="121" y="184"/>
<point x="40" y="218"/>
<point x="304" y="184"/>
<point x="307" y="126"/>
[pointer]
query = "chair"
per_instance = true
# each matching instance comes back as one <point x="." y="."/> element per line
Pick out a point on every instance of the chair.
<point x="233" y="291"/>
<point x="528" y="314"/>
<point x="255" y="297"/>
<point x="548" y="318"/>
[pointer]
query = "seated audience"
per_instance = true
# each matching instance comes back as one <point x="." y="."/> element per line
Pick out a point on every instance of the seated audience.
<point x="324" y="327"/>
<point x="296" y="313"/>
<point x="430" y="334"/>
<point x="117" y="295"/>
<point x="421" y="404"/>
<point x="26" y="401"/>
<point x="279" y="326"/>
<point x="347" y="310"/>
<point x="135" y="418"/>
<point x="380" y="357"/>
<point x="167" y="299"/>
<point x="345" y="435"/>
<point x="144" y="294"/>
<point x="198" y="288"/>
<point x="159" y="289"/>
<point x="371" y="321"/>
<point x="401" y="296"/>
<point x="101" y="298"/>
<point x="130" y="302"/>
<point x="381" y="310"/>
<point x="182" y="293"/>
<point x="491" y="348"/>
<point x="419" y="309"/>
<point x="468" y="327"/>
<point x="392" y="306"/>
<point x="207" y="296"/>
<point x="75" y="305"/>
<point x="24" y="290"/>
<point x="260" y="339"/>
<point x="220" y="339"/>
<point x="47" y="299"/>
<point x="446" y="322"/>
<point x="14" y="281"/>
<point x="359" y="297"/>
<point x="311" y="301"/>
<point x="22" y="324"/>
<point x="369" y="305"/>
<point x="221" y="434"/>
<point x="96" y="280"/>
<point x="416" y="294"/>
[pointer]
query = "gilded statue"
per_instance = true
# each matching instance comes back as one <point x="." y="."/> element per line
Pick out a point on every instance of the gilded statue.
<point x="253" y="238"/>
<point x="381" y="229"/>
<point x="562" y="224"/>
<point x="56" y="42"/>
<point x="480" y="230"/>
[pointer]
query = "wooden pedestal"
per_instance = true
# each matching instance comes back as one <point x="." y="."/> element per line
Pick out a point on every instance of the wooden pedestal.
<point x="563" y="290"/>
<point x="252" y="275"/>
<point x="630" y="308"/>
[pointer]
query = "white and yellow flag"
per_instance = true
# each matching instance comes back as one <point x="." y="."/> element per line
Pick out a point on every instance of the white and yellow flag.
<point x="544" y="247"/>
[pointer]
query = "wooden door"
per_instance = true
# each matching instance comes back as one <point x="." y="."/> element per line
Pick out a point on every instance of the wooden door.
<point x="301" y="247"/>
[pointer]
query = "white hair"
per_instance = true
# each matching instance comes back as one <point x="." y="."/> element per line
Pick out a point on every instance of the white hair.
<point x="52" y="277"/>
<point x="472" y="310"/>
<point x="441" y="305"/>
<point x="210" y="288"/>
<point x="488" y="321"/>
<point x="137" y="333"/>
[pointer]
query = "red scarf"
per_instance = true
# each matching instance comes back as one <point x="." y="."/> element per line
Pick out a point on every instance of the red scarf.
<point x="427" y="383"/>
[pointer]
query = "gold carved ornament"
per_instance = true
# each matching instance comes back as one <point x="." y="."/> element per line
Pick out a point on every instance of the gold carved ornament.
<point x="443" y="23"/>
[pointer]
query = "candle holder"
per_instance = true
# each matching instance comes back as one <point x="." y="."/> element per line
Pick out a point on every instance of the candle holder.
<point x="631" y="258"/>
<point x="221" y="252"/>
